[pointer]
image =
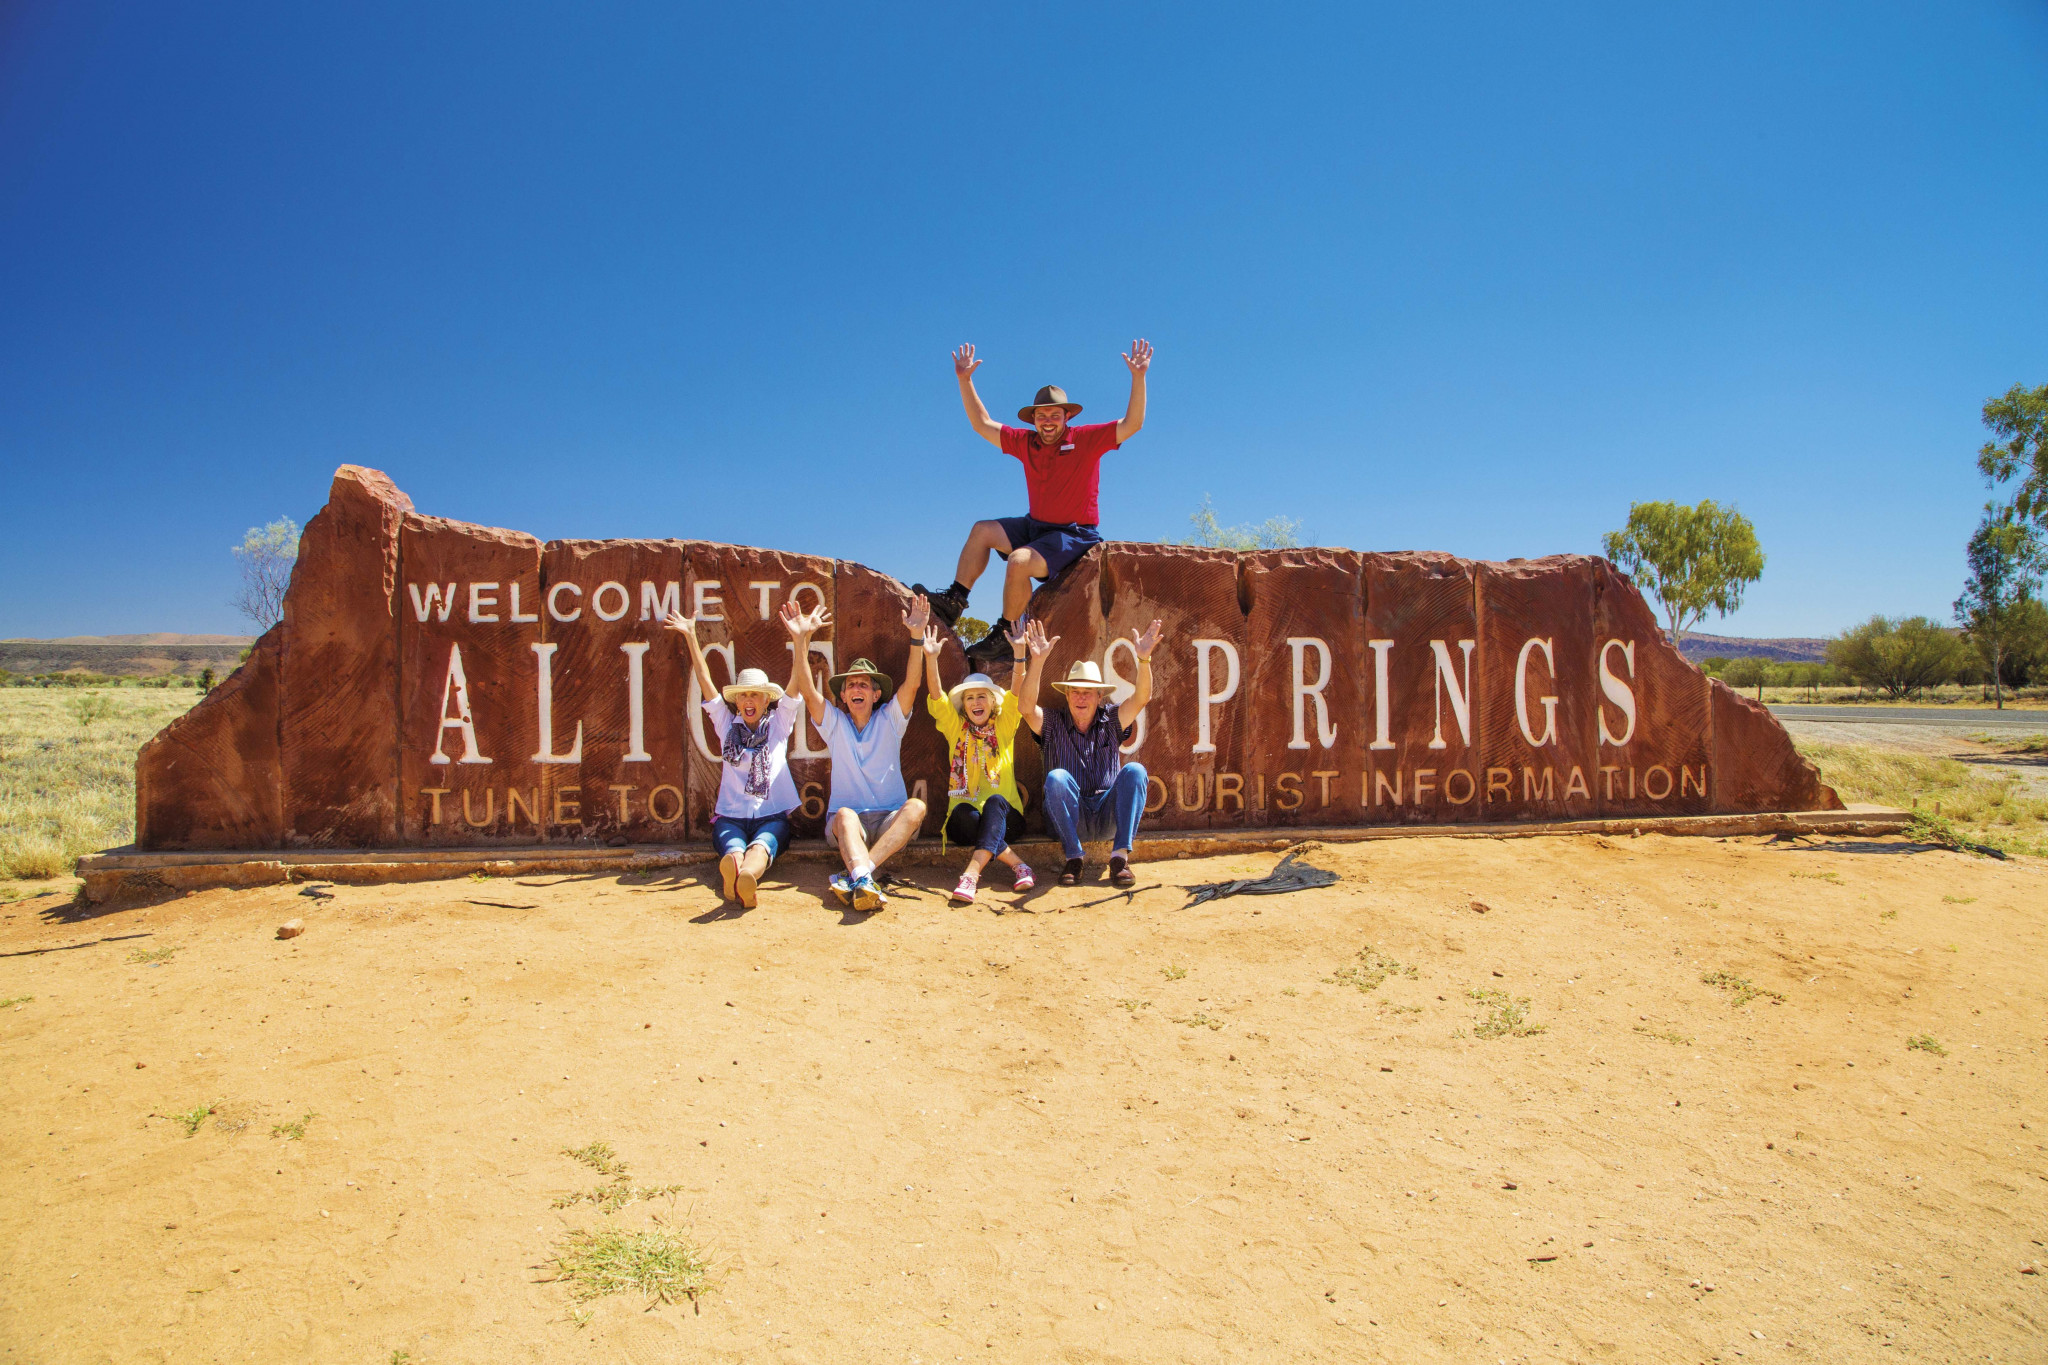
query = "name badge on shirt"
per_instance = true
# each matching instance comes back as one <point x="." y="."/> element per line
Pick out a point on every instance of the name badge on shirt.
<point x="1068" y="446"/>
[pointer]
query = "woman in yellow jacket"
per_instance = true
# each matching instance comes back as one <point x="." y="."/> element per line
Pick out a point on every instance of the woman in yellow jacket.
<point x="979" y="722"/>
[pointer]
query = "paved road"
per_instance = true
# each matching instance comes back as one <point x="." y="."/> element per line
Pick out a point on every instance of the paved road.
<point x="1957" y="718"/>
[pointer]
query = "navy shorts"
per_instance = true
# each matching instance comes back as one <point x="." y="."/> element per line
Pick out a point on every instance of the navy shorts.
<point x="1058" y="545"/>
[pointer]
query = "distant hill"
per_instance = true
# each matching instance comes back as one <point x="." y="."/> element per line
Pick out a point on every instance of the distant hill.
<point x="128" y="656"/>
<point x="1792" y="649"/>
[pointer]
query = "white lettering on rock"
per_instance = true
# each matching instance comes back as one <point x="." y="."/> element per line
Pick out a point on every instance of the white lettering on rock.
<point x="1205" y="695"/>
<point x="523" y="618"/>
<point x="482" y="595"/>
<point x="1304" y="692"/>
<point x="655" y="607"/>
<point x="1461" y="694"/>
<point x="636" y="702"/>
<point x="555" y="601"/>
<point x="456" y="685"/>
<point x="761" y="587"/>
<point x="1618" y="692"/>
<point x="1549" y="735"/>
<point x="597" y="601"/>
<point x="544" y="690"/>
<point x="1381" y="705"/>
<point x="703" y="599"/>
<point x="437" y="596"/>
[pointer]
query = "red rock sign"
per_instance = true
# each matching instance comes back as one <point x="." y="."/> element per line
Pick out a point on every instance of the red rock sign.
<point x="435" y="682"/>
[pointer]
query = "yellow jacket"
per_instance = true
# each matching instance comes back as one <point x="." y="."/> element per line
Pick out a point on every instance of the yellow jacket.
<point x="952" y="725"/>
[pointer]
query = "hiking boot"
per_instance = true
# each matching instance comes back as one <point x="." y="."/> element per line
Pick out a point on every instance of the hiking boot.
<point x="867" y="896"/>
<point x="842" y="887"/>
<point x="947" y="606"/>
<point x="992" y="647"/>
<point x="1120" y="873"/>
<point x="1070" y="875"/>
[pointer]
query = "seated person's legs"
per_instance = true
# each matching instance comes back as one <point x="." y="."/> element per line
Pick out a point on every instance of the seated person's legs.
<point x="1129" y="792"/>
<point x="1063" y="810"/>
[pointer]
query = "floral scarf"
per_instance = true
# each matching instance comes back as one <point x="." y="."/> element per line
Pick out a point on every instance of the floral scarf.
<point x="976" y="749"/>
<point x="748" y="744"/>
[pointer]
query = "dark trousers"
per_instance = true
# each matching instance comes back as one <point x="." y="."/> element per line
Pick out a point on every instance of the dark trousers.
<point x="992" y="827"/>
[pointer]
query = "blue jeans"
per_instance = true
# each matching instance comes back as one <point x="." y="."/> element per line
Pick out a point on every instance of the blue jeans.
<point x="729" y="835"/>
<point x="1111" y="813"/>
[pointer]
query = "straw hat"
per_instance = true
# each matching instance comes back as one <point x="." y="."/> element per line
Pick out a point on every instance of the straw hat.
<point x="751" y="680"/>
<point x="1051" y="396"/>
<point x="976" y="682"/>
<point x="1083" y="674"/>
<point x="862" y="668"/>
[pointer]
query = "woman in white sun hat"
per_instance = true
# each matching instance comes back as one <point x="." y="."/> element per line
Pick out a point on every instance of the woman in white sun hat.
<point x="978" y="721"/>
<point x="753" y="719"/>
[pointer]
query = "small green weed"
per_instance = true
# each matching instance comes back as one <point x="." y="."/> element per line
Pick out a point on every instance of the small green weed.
<point x="616" y="1192"/>
<point x="658" y="1263"/>
<point x="1888" y="914"/>
<point x="1741" y="988"/>
<point x="1679" y="1039"/>
<point x="152" y="956"/>
<point x="1134" y="1005"/>
<point x="295" y="1130"/>
<point x="1958" y="900"/>
<point x="1289" y="990"/>
<point x="1173" y="972"/>
<point x="1925" y="1042"/>
<point x="194" y="1116"/>
<point x="1200" y="1021"/>
<point x="1819" y="877"/>
<point x="1372" y="968"/>
<point x="1506" y="1016"/>
<point x="479" y="876"/>
<point x="16" y="1003"/>
<point x="399" y="1358"/>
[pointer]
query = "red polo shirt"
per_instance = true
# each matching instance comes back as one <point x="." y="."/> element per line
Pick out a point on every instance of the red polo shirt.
<point x="1062" y="481"/>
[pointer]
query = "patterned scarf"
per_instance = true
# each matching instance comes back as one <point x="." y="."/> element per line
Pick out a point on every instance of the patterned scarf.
<point x="976" y="748"/>
<point x="748" y="744"/>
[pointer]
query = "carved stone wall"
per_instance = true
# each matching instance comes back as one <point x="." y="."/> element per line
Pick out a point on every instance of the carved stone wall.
<point x="438" y="683"/>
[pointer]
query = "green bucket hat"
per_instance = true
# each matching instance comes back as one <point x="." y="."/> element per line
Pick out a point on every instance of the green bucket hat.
<point x="862" y="668"/>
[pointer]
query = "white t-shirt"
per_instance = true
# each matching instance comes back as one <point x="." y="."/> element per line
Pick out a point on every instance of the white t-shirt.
<point x="867" y="766"/>
<point x="732" y="781"/>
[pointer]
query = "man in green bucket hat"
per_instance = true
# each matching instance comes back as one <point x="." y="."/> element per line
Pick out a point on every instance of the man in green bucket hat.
<point x="870" y="815"/>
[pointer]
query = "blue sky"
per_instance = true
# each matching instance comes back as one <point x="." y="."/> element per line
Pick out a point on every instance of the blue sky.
<point x="1469" y="278"/>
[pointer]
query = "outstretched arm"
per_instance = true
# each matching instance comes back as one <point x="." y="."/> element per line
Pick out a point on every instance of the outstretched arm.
<point x="1027" y="691"/>
<point x="931" y="662"/>
<point x="985" y="426"/>
<point x="913" y="670"/>
<point x="685" y="627"/>
<point x="1140" y="360"/>
<point x="801" y="679"/>
<point x="1141" y="691"/>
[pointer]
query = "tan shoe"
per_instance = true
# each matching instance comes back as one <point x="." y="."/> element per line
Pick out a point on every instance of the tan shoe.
<point x="729" y="872"/>
<point x="747" y="888"/>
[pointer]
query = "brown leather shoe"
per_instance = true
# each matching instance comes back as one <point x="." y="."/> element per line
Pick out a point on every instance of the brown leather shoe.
<point x="1120" y="873"/>
<point x="1070" y="875"/>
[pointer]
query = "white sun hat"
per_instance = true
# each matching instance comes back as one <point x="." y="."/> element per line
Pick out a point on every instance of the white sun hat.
<point x="751" y="680"/>
<point x="1086" y="673"/>
<point x="976" y="682"/>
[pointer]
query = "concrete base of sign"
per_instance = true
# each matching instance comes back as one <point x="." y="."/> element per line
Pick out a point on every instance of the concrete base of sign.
<point x="125" y="872"/>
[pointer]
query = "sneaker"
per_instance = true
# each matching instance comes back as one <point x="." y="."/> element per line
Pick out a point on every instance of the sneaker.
<point x="970" y="882"/>
<point x="868" y="896"/>
<point x="992" y="647"/>
<point x="747" y="889"/>
<point x="842" y="887"/>
<point x="1070" y="875"/>
<point x="948" y="606"/>
<point x="1024" y="881"/>
<point x="1120" y="873"/>
<point x="728" y="872"/>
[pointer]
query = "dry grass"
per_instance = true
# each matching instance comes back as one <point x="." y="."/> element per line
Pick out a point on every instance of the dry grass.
<point x="1990" y="808"/>
<point x="2013" y="744"/>
<point x="657" y="1262"/>
<point x="67" y="784"/>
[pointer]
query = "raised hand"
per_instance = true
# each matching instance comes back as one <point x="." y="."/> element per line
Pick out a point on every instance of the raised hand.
<point x="964" y="363"/>
<point x="1139" y="357"/>
<point x="931" y="646"/>
<point x="1020" y="632"/>
<point x="1037" y="642"/>
<point x="1145" y="643"/>
<point x="681" y="624"/>
<point x="792" y="619"/>
<point x="919" y="613"/>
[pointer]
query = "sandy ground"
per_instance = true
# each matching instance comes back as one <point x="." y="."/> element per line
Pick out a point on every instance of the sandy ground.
<point x="1011" y="1133"/>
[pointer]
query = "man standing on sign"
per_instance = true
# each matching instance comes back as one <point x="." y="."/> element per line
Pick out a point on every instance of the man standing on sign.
<point x="1061" y="472"/>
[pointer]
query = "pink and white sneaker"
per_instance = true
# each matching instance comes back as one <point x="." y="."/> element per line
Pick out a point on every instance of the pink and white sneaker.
<point x="970" y="882"/>
<point x="1024" y="881"/>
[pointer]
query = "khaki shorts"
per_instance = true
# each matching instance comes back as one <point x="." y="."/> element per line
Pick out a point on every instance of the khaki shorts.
<point x="872" y="823"/>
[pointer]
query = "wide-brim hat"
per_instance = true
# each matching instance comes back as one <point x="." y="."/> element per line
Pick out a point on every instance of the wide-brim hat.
<point x="1086" y="673"/>
<point x="975" y="682"/>
<point x="1051" y="396"/>
<point x="751" y="680"/>
<point x="862" y="668"/>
